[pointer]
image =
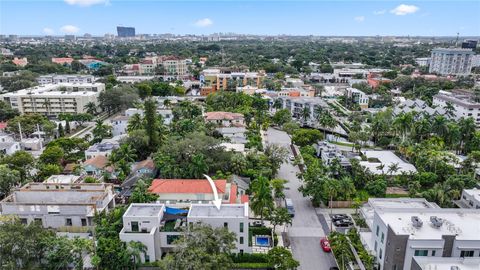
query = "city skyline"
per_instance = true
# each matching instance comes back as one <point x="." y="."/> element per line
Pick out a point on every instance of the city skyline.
<point x="320" y="18"/>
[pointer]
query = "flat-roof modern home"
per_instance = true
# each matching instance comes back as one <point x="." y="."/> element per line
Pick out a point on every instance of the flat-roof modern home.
<point x="54" y="99"/>
<point x="445" y="263"/>
<point x="65" y="207"/>
<point x="157" y="226"/>
<point x="400" y="234"/>
<point x="386" y="162"/>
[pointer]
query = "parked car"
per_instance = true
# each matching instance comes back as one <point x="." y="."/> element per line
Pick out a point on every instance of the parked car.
<point x="292" y="158"/>
<point x="256" y="223"/>
<point x="289" y="206"/>
<point x="325" y="244"/>
<point x="339" y="217"/>
<point x="343" y="223"/>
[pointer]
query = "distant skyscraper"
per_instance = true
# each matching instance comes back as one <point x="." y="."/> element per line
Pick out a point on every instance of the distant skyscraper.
<point x="469" y="44"/>
<point x="125" y="31"/>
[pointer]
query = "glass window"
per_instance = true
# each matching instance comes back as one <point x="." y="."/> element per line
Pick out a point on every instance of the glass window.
<point x="378" y="229"/>
<point x="134" y="226"/>
<point x="84" y="222"/>
<point x="421" y="252"/>
<point x="383" y="237"/>
<point x="241" y="240"/>
<point x="434" y="252"/>
<point x="225" y="225"/>
<point x="376" y="245"/>
<point x="68" y="222"/>
<point x="241" y="226"/>
<point x="380" y="254"/>
<point x="466" y="253"/>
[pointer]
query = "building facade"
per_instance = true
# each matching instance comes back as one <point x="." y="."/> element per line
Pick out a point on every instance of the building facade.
<point x="451" y="61"/>
<point x="463" y="103"/>
<point x="55" y="79"/>
<point x="123" y="31"/>
<point x="54" y="99"/>
<point x="65" y="207"/>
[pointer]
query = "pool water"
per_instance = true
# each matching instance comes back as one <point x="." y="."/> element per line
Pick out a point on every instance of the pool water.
<point x="263" y="241"/>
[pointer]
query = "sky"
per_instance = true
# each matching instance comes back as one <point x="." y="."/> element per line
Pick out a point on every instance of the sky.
<point x="270" y="17"/>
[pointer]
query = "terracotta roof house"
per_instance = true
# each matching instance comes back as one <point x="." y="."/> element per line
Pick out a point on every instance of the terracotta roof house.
<point x="192" y="190"/>
<point x="225" y="119"/>
<point x="62" y="60"/>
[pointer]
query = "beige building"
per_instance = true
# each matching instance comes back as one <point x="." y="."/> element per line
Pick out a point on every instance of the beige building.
<point x="53" y="99"/>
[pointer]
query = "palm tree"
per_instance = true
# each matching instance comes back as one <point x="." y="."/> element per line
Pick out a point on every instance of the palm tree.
<point x="135" y="122"/>
<point x="347" y="187"/>
<point x="381" y="167"/>
<point x="278" y="186"/>
<point x="439" y="125"/>
<point x="46" y="104"/>
<point x="198" y="166"/>
<point x="305" y="114"/>
<point x="262" y="200"/>
<point x="278" y="104"/>
<point x="341" y="247"/>
<point x="331" y="187"/>
<point x="100" y="131"/>
<point x="91" y="108"/>
<point x="167" y="103"/>
<point x="403" y="123"/>
<point x="136" y="248"/>
<point x="450" y="109"/>
<point x="393" y="168"/>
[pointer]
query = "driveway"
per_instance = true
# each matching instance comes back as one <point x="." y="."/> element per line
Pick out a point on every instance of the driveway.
<point x="306" y="230"/>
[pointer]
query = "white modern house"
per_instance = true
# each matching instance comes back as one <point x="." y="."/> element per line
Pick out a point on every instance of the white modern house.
<point x="8" y="145"/>
<point x="358" y="97"/>
<point x="157" y="226"/>
<point x="384" y="162"/>
<point x="65" y="207"/>
<point x="54" y="99"/>
<point x="405" y="229"/>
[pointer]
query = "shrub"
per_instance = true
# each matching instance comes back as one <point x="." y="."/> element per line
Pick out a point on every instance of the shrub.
<point x="260" y="231"/>
<point x="250" y="258"/>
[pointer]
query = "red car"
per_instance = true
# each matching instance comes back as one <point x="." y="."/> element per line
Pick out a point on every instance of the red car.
<point x="325" y="244"/>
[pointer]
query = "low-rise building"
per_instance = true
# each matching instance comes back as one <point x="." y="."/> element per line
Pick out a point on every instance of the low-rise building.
<point x="445" y="263"/>
<point x="470" y="198"/>
<point x="65" y="78"/>
<point x="8" y="145"/>
<point x="225" y="119"/>
<point x="462" y="101"/>
<point x="100" y="149"/>
<point x="65" y="207"/>
<point x="21" y="62"/>
<point x="357" y="97"/>
<point x="63" y="179"/>
<point x="119" y="124"/>
<point x="329" y="152"/>
<point x="385" y="162"/>
<point x="422" y="61"/>
<point x="96" y="166"/>
<point x="192" y="190"/>
<point x="54" y="99"/>
<point x="157" y="226"/>
<point x="145" y="167"/>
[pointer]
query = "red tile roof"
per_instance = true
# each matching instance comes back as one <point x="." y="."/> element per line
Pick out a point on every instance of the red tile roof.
<point x="185" y="186"/>
<point x="62" y="60"/>
<point x="233" y="193"/>
<point x="222" y="116"/>
<point x="3" y="125"/>
<point x="147" y="163"/>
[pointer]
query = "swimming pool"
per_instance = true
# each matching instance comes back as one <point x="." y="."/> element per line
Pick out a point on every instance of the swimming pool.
<point x="262" y="240"/>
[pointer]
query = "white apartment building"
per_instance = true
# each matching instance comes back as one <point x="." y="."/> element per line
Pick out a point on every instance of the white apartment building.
<point x="451" y="61"/>
<point x="422" y="61"/>
<point x="120" y="123"/>
<point x="358" y="97"/>
<point x="470" y="198"/>
<point x="54" y="99"/>
<point x="296" y="106"/>
<point x="157" y="226"/>
<point x="65" y="207"/>
<point x="400" y="234"/>
<point x="462" y="101"/>
<point x="66" y="78"/>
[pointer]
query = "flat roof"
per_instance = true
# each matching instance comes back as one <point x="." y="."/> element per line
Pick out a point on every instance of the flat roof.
<point x="226" y="210"/>
<point x="448" y="263"/>
<point x="52" y="89"/>
<point x="144" y="210"/>
<point x="474" y="192"/>
<point x="464" y="223"/>
<point x="386" y="158"/>
<point x="64" y="179"/>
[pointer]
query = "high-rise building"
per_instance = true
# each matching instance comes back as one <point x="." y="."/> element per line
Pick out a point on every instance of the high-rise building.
<point x="125" y="31"/>
<point x="451" y="61"/>
<point x="469" y="44"/>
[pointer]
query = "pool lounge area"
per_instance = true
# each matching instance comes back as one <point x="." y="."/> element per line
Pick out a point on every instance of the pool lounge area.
<point x="262" y="240"/>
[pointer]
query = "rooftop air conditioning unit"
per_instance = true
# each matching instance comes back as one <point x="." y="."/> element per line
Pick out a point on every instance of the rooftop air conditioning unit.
<point x="454" y="267"/>
<point x="417" y="222"/>
<point x="436" y="221"/>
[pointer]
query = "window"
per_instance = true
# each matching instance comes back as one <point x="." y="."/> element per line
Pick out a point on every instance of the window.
<point x="380" y="254"/>
<point x="433" y="253"/>
<point x="466" y="253"/>
<point x="38" y="221"/>
<point x="376" y="245"/>
<point x="134" y="226"/>
<point x="378" y="229"/>
<point x="383" y="237"/>
<point x="68" y="222"/>
<point x="241" y="226"/>
<point x="225" y="225"/>
<point x="84" y="222"/>
<point x="147" y="258"/>
<point x="421" y="252"/>
<point x="241" y="240"/>
<point x="172" y="238"/>
<point x="241" y="251"/>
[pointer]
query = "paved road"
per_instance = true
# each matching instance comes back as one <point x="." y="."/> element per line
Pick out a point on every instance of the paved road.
<point x="306" y="229"/>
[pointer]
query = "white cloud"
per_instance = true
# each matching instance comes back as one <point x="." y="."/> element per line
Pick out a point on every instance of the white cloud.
<point x="380" y="12"/>
<point x="404" y="9"/>
<point x="69" y="29"/>
<point x="87" y="3"/>
<point x="48" y="31"/>
<point x="205" y="22"/>
<point x="359" y="18"/>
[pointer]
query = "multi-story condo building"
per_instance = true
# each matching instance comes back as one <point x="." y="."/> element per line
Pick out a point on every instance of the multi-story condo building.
<point x="173" y="65"/>
<point x="65" y="207"/>
<point x="123" y="31"/>
<point x="298" y="105"/>
<point x="357" y="97"/>
<point x="406" y="229"/>
<point x="54" y="78"/>
<point x="462" y="101"/>
<point x="470" y="198"/>
<point x="422" y="61"/>
<point x="212" y="80"/>
<point x="157" y="226"/>
<point x="451" y="61"/>
<point x="54" y="99"/>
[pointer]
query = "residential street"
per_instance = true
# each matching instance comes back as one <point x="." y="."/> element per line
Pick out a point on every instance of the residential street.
<point x="306" y="231"/>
